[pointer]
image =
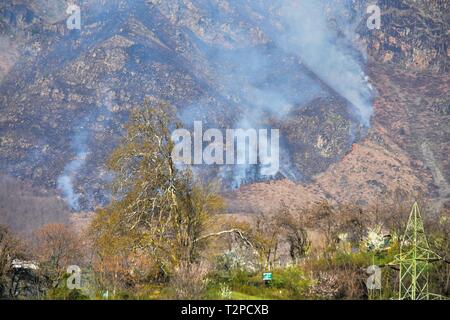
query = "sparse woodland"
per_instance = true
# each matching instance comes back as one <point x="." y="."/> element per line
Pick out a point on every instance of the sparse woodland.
<point x="164" y="236"/>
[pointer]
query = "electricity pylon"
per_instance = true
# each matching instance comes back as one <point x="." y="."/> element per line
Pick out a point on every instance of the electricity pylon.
<point x="414" y="260"/>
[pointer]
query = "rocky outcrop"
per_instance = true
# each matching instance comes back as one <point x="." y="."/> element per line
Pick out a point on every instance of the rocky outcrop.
<point x="414" y="35"/>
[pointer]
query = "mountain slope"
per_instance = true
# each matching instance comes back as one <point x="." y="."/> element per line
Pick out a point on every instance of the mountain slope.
<point x="65" y="95"/>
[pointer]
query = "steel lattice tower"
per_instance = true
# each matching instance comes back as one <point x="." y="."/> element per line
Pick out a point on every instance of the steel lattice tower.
<point x="414" y="258"/>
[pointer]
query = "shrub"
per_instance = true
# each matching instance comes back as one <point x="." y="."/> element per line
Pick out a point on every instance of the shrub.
<point x="189" y="281"/>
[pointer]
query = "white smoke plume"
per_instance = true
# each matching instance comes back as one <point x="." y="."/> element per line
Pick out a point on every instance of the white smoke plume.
<point x="325" y="52"/>
<point x="67" y="179"/>
<point x="319" y="34"/>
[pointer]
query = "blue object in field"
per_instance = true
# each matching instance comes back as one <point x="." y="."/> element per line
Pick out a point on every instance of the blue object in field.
<point x="267" y="276"/>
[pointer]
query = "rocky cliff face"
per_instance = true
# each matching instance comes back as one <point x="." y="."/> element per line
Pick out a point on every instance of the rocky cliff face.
<point x="64" y="95"/>
<point x="414" y="35"/>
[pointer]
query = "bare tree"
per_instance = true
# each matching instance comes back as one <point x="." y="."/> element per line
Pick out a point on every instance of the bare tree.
<point x="293" y="227"/>
<point x="8" y="248"/>
<point x="13" y="253"/>
<point x="57" y="247"/>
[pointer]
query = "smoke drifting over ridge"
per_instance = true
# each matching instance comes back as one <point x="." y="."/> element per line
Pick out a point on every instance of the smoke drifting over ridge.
<point x="260" y="61"/>
<point x="295" y="52"/>
<point x="307" y="51"/>
<point x="80" y="146"/>
<point x="326" y="53"/>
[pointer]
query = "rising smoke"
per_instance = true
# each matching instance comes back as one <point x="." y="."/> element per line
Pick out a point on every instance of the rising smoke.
<point x="328" y="52"/>
<point x="273" y="56"/>
<point x="67" y="179"/>
<point x="80" y="146"/>
<point x="308" y="50"/>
